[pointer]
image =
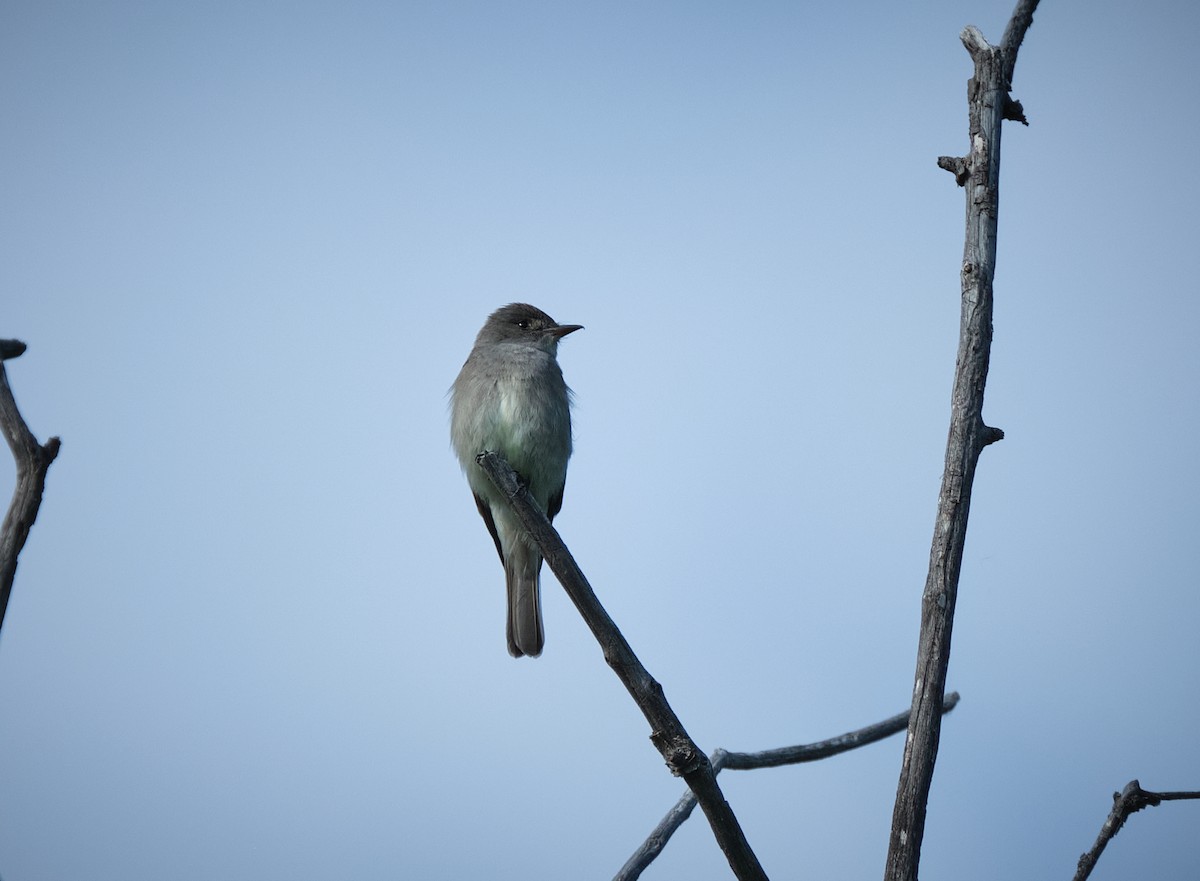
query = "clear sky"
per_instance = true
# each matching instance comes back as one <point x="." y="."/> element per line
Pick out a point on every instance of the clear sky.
<point x="258" y="630"/>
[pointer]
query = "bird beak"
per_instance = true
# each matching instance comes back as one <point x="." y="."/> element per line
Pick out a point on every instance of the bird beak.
<point x="561" y="330"/>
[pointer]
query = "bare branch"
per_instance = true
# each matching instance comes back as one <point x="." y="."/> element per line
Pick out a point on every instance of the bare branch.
<point x="1014" y="36"/>
<point x="667" y="733"/>
<point x="772" y="758"/>
<point x="1128" y="801"/>
<point x="33" y="461"/>
<point x="979" y="172"/>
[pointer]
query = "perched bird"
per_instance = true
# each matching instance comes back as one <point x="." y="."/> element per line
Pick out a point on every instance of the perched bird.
<point x="510" y="398"/>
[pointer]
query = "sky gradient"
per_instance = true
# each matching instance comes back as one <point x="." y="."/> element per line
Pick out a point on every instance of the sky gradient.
<point x="258" y="629"/>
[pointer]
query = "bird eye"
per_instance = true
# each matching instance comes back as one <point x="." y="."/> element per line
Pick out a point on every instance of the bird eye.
<point x="524" y="324"/>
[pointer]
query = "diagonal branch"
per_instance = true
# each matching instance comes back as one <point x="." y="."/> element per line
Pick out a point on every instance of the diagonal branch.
<point x="33" y="461"/>
<point x="771" y="758"/>
<point x="979" y="173"/>
<point x="1128" y="801"/>
<point x="667" y="733"/>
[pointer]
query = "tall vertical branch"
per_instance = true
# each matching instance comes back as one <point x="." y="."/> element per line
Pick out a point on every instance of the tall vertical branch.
<point x="979" y="173"/>
<point x="33" y="461"/>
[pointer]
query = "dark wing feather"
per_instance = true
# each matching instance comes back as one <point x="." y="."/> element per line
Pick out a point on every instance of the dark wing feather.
<point x="555" y="503"/>
<point x="485" y="511"/>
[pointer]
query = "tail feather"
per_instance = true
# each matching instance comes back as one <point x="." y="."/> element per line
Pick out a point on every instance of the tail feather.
<point x="521" y="570"/>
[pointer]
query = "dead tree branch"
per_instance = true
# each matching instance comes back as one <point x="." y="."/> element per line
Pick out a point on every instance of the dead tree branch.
<point x="33" y="461"/>
<point x="667" y="733"/>
<point x="1128" y="801"/>
<point x="771" y="758"/>
<point x="979" y="172"/>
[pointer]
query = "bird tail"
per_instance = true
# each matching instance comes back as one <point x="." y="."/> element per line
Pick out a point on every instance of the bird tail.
<point x="521" y="569"/>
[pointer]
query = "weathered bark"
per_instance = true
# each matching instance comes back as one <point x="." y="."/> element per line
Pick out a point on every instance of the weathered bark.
<point x="979" y="172"/>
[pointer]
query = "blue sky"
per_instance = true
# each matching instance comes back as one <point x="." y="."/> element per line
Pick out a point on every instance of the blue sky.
<point x="257" y="632"/>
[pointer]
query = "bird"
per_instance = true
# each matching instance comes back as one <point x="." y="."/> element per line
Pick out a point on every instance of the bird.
<point x="510" y="398"/>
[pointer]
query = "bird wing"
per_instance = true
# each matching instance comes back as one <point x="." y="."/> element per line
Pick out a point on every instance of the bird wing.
<point x="555" y="503"/>
<point x="485" y="511"/>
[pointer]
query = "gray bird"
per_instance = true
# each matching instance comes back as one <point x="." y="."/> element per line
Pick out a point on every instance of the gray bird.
<point x="510" y="398"/>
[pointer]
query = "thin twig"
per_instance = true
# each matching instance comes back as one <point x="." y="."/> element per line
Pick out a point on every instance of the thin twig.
<point x="667" y="733"/>
<point x="32" y="460"/>
<point x="1128" y="801"/>
<point x="771" y="758"/>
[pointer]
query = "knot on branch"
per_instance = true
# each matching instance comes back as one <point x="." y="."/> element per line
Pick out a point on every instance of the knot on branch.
<point x="502" y="474"/>
<point x="989" y="435"/>
<point x="959" y="166"/>
<point x="50" y="450"/>
<point x="1013" y="111"/>
<point x="973" y="39"/>
<point x="682" y="756"/>
<point x="11" y="349"/>
<point x="1133" y="798"/>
